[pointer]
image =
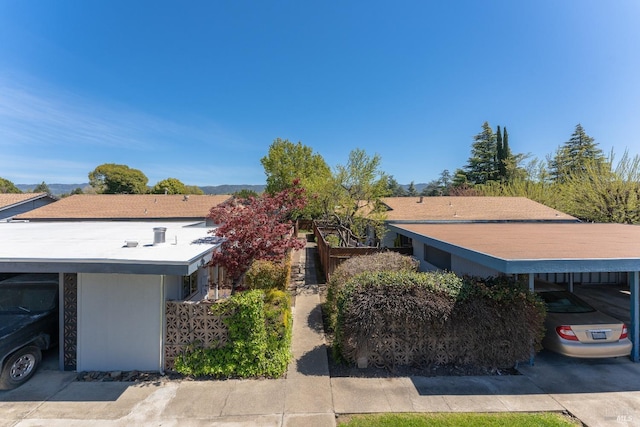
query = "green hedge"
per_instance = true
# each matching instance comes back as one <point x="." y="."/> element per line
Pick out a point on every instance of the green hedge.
<point x="258" y="343"/>
<point x="266" y="275"/>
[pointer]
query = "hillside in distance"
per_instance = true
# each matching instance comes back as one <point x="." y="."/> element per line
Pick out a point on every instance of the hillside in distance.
<point x="60" y="189"/>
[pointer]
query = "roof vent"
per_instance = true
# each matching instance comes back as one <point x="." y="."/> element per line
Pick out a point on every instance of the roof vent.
<point x="159" y="234"/>
<point x="185" y="198"/>
<point x="421" y="199"/>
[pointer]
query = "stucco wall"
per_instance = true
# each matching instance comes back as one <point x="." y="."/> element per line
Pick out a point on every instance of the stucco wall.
<point x="119" y="322"/>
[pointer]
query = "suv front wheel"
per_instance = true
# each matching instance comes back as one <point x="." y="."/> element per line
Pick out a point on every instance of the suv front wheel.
<point x="19" y="367"/>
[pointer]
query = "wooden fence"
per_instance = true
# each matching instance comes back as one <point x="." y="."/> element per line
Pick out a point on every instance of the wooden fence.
<point x="331" y="258"/>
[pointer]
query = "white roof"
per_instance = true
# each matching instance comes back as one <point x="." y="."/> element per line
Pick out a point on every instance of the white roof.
<point x="100" y="247"/>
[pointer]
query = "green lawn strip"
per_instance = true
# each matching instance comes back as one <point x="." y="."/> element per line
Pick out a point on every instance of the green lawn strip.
<point x="542" y="419"/>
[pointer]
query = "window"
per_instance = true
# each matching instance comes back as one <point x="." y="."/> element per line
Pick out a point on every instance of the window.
<point x="437" y="257"/>
<point x="189" y="284"/>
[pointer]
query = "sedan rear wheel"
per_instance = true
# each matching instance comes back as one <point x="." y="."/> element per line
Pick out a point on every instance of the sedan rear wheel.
<point x="19" y="367"/>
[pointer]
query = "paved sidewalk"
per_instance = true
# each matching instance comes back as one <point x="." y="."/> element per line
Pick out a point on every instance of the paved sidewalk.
<point x="599" y="392"/>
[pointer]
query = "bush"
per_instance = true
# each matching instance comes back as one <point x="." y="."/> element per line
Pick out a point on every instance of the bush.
<point x="409" y="318"/>
<point x="332" y="240"/>
<point x="259" y="339"/>
<point x="382" y="261"/>
<point x="268" y="275"/>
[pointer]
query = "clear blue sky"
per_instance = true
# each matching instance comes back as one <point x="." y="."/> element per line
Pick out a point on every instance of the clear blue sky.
<point x="198" y="90"/>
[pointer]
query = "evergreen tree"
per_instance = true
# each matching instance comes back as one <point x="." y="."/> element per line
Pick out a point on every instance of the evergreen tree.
<point x="574" y="155"/>
<point x="411" y="191"/>
<point x="500" y="153"/>
<point x="394" y="189"/>
<point x="482" y="165"/>
<point x="42" y="188"/>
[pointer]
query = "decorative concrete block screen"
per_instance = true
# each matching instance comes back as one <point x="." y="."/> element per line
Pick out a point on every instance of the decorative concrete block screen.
<point x="403" y="349"/>
<point x="191" y="323"/>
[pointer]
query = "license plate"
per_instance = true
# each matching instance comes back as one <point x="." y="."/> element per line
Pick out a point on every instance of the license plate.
<point x="599" y="335"/>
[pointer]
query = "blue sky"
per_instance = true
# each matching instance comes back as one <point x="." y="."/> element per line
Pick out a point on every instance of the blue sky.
<point x="198" y="90"/>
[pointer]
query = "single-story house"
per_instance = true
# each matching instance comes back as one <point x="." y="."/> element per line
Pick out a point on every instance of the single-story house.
<point x="451" y="209"/>
<point x="13" y="204"/>
<point x="114" y="279"/>
<point x="127" y="207"/>
<point x="553" y="250"/>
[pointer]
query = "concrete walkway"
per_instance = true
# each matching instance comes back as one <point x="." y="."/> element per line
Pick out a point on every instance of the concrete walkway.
<point x="598" y="392"/>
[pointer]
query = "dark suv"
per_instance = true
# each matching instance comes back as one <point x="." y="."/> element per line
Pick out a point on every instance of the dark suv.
<point x="28" y="325"/>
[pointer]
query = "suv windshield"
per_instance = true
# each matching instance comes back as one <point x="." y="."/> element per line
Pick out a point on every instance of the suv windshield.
<point x="27" y="298"/>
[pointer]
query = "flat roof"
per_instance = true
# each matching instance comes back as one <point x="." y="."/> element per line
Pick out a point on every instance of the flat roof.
<point x="100" y="247"/>
<point x="536" y="247"/>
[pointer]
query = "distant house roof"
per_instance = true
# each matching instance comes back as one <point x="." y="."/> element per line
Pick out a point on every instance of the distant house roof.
<point x="470" y="209"/>
<point x="87" y="207"/>
<point x="12" y="204"/>
<point x="8" y="200"/>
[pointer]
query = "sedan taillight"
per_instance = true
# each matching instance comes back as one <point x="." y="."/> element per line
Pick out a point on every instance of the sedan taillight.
<point x="625" y="332"/>
<point x="566" y="332"/>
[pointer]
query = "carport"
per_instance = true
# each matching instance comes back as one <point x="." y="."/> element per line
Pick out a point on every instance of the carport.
<point x="489" y="249"/>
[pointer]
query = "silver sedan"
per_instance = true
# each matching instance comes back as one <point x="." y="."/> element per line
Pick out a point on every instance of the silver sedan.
<point x="575" y="329"/>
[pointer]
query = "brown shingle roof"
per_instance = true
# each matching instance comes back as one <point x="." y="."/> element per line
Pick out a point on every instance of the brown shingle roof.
<point x="127" y="206"/>
<point x="9" y="199"/>
<point x="529" y="241"/>
<point x="461" y="209"/>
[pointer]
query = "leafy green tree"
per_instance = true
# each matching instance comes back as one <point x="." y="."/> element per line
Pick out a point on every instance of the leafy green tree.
<point x="359" y="185"/>
<point x="601" y="193"/>
<point x="42" y="188"/>
<point x="245" y="194"/>
<point x="110" y="178"/>
<point x="573" y="156"/>
<point x="287" y="162"/>
<point x="169" y="186"/>
<point x="193" y="189"/>
<point x="482" y="164"/>
<point x="7" y="186"/>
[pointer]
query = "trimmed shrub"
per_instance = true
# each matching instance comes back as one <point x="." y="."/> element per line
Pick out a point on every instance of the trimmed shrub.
<point x="409" y="318"/>
<point x="268" y="275"/>
<point x="382" y="261"/>
<point x="258" y="343"/>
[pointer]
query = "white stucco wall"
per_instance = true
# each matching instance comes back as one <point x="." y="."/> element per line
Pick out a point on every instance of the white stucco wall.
<point x="172" y="288"/>
<point x="120" y="322"/>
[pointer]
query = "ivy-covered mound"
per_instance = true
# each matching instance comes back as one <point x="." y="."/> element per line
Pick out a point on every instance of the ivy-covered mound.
<point x="258" y="343"/>
<point x="407" y="318"/>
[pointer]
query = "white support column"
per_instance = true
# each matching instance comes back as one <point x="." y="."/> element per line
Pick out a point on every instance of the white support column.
<point x="634" y="286"/>
<point x="571" y="282"/>
<point x="532" y="281"/>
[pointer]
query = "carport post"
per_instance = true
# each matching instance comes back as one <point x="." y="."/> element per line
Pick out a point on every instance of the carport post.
<point x="634" y="286"/>
<point x="532" y="281"/>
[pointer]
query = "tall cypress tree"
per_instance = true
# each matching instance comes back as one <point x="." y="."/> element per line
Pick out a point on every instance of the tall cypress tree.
<point x="500" y="154"/>
<point x="506" y="152"/>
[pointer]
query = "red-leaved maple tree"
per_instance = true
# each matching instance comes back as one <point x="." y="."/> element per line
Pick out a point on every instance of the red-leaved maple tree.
<point x="256" y="228"/>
